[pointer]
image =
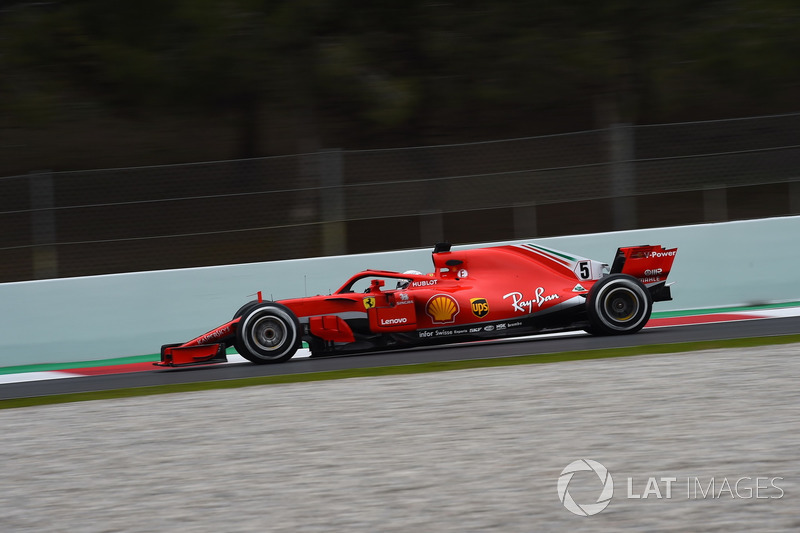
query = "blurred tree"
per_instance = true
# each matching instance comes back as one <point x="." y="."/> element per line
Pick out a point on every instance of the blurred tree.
<point x="209" y="56"/>
<point x="350" y="72"/>
<point x="738" y="57"/>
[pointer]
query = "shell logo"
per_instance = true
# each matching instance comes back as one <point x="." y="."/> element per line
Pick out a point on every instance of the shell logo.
<point x="442" y="309"/>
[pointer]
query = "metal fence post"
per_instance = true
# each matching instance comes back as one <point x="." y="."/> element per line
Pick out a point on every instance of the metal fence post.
<point x="334" y="229"/>
<point x="715" y="203"/>
<point x="431" y="227"/>
<point x="623" y="176"/>
<point x="524" y="221"/>
<point x="794" y="197"/>
<point x="43" y="225"/>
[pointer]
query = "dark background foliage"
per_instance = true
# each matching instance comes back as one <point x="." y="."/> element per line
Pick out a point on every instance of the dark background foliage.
<point x="99" y="83"/>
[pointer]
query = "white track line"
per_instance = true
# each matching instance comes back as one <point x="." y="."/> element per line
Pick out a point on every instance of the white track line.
<point x="35" y="376"/>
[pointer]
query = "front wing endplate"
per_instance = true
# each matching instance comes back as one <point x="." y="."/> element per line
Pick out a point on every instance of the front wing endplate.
<point x="199" y="354"/>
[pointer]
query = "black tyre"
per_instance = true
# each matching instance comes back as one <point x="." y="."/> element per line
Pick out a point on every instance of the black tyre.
<point x="246" y="307"/>
<point x="618" y="304"/>
<point x="267" y="333"/>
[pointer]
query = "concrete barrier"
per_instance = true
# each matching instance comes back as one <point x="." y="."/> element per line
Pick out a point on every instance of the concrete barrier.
<point x="100" y="317"/>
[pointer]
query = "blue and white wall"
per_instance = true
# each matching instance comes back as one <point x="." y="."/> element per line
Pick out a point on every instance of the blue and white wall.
<point x="100" y="317"/>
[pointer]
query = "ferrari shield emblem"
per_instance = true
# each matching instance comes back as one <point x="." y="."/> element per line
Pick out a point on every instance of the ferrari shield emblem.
<point x="369" y="302"/>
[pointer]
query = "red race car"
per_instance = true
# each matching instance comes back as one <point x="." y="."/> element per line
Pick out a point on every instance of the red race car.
<point x="482" y="293"/>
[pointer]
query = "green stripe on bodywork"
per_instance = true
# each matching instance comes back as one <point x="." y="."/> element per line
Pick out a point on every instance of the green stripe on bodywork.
<point x="554" y="252"/>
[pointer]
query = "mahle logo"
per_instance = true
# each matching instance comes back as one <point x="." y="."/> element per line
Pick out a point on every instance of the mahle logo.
<point x="606" y="492"/>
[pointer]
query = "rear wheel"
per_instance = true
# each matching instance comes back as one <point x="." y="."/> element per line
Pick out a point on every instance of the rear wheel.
<point x="267" y="333"/>
<point x="618" y="304"/>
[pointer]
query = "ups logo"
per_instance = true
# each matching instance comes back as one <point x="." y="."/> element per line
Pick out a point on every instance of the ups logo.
<point x="480" y="307"/>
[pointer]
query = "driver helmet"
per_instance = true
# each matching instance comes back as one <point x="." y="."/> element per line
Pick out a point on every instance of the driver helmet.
<point x="404" y="283"/>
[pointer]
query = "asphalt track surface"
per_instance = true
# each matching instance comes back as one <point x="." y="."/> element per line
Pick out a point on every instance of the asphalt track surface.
<point x="503" y="348"/>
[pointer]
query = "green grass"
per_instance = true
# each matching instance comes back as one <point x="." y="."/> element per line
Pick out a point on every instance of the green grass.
<point x="404" y="370"/>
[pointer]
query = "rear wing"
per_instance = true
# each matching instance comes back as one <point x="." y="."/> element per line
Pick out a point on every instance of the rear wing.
<point x="650" y="264"/>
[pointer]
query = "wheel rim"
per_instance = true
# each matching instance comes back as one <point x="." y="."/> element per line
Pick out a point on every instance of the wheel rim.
<point x="621" y="305"/>
<point x="268" y="333"/>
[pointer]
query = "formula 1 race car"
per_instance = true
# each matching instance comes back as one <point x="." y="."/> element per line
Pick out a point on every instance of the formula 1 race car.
<point x="482" y="293"/>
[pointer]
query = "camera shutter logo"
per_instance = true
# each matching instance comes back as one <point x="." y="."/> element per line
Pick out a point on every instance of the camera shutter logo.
<point x="587" y="509"/>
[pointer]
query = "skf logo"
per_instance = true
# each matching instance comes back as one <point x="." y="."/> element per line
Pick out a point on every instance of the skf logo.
<point x="369" y="302"/>
<point x="480" y="307"/>
<point x="442" y="309"/>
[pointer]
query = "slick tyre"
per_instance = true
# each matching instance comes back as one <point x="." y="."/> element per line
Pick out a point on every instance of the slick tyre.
<point x="267" y="333"/>
<point x="618" y="304"/>
<point x="245" y="307"/>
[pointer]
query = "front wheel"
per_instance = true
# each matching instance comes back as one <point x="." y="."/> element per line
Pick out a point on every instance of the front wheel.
<point x="267" y="333"/>
<point x="618" y="304"/>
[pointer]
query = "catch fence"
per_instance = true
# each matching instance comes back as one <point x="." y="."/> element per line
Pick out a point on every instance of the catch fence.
<point x="59" y="224"/>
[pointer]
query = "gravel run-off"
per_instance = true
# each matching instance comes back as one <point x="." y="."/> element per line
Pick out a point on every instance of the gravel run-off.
<point x="467" y="450"/>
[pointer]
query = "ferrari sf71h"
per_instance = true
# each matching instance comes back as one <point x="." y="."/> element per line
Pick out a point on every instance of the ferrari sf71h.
<point x="474" y="294"/>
